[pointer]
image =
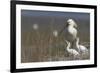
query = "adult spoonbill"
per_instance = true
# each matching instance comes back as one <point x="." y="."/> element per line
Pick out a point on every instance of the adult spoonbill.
<point x="71" y="31"/>
<point x="71" y="52"/>
<point x="80" y="48"/>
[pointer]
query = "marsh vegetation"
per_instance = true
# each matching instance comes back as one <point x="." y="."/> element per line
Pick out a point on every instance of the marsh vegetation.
<point x="40" y="46"/>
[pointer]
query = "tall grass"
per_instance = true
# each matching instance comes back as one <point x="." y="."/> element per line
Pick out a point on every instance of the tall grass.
<point x="41" y="46"/>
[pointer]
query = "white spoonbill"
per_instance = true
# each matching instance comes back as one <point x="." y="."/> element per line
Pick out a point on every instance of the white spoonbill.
<point x="71" y="31"/>
<point x="71" y="52"/>
<point x="81" y="48"/>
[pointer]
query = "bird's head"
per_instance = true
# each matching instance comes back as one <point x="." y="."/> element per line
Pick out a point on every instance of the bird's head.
<point x="71" y="22"/>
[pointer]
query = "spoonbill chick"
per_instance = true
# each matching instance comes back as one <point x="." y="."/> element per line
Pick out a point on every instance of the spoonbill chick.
<point x="72" y="52"/>
<point x="81" y="48"/>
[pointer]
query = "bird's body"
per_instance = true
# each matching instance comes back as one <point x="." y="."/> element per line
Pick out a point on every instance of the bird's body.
<point x="71" y="31"/>
<point x="71" y="52"/>
<point x="81" y="48"/>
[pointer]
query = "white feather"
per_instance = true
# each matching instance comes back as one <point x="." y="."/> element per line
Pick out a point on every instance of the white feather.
<point x="71" y="52"/>
<point x="81" y="48"/>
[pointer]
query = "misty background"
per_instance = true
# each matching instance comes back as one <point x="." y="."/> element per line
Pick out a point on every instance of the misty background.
<point x="52" y="20"/>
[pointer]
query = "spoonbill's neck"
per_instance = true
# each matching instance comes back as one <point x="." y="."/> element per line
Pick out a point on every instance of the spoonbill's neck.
<point x="77" y="43"/>
<point x="71" y="26"/>
<point x="68" y="46"/>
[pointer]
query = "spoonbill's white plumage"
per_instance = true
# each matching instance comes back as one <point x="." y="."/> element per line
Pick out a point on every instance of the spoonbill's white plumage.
<point x="71" y="31"/>
<point x="71" y="52"/>
<point x="72" y="22"/>
<point x="81" y="48"/>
